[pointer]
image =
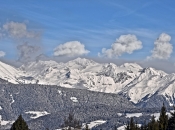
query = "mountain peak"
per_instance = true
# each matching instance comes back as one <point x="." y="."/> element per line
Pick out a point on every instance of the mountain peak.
<point x="152" y="71"/>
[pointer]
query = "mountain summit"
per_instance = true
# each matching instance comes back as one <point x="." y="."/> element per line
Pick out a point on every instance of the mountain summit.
<point x="130" y="79"/>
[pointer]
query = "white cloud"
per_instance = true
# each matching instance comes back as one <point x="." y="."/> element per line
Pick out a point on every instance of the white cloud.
<point x="2" y="54"/>
<point x="70" y="49"/>
<point x="124" y="44"/>
<point x="18" y="30"/>
<point x="162" y="47"/>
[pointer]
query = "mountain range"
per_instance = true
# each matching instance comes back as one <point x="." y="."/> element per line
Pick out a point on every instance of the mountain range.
<point x="144" y="87"/>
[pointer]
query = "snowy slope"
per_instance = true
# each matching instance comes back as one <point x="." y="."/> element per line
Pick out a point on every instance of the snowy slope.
<point x="83" y="73"/>
<point x="130" y="79"/>
<point x="149" y="83"/>
<point x="9" y="73"/>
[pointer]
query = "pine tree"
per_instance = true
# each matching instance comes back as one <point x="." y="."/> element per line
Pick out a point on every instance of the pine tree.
<point x="127" y="126"/>
<point x="71" y="122"/>
<point x="163" y="119"/>
<point x="136" y="126"/>
<point x="141" y="128"/>
<point x="115" y="127"/>
<point x="86" y="127"/>
<point x="132" y="124"/>
<point x="144" y="126"/>
<point x="171" y="121"/>
<point x="153" y="124"/>
<point x="19" y="124"/>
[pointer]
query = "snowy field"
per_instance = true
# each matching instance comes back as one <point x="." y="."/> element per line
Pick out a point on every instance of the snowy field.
<point x="37" y="114"/>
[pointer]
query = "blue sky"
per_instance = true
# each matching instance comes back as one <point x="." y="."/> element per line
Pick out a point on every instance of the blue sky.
<point x="96" y="24"/>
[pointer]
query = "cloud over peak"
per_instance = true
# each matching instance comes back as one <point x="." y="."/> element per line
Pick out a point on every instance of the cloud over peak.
<point x="18" y="30"/>
<point x="27" y="52"/>
<point x="70" y="49"/>
<point x="162" y="47"/>
<point x="124" y="44"/>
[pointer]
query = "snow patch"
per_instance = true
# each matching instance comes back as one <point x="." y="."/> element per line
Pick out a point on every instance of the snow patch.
<point x="123" y="127"/>
<point x="59" y="91"/>
<point x="37" y="114"/>
<point x="129" y="115"/>
<point x="119" y="114"/>
<point x="74" y="99"/>
<point x="11" y="96"/>
<point x="94" y="123"/>
<point x="157" y="115"/>
<point x="3" y="122"/>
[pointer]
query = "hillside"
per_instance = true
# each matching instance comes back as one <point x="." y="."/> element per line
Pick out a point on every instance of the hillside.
<point x="139" y="85"/>
<point x="50" y="104"/>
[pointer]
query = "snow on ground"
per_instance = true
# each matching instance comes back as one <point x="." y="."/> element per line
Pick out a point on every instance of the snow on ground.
<point x="119" y="114"/>
<point x="0" y="108"/>
<point x="91" y="124"/>
<point x="59" y="91"/>
<point x="74" y="99"/>
<point x="158" y="114"/>
<point x="36" y="114"/>
<point x="65" y="128"/>
<point x="3" y="122"/>
<point x="123" y="127"/>
<point x="129" y="115"/>
<point x="95" y="123"/>
<point x="11" y="96"/>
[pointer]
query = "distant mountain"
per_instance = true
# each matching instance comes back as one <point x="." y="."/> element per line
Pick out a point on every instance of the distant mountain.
<point x="9" y="73"/>
<point x="139" y="85"/>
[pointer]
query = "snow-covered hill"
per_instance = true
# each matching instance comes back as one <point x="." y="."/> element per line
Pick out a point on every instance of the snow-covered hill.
<point x="9" y="73"/>
<point x="130" y="79"/>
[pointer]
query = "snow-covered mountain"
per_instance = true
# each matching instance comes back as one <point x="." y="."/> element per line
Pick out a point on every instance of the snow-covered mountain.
<point x="9" y="73"/>
<point x="130" y="79"/>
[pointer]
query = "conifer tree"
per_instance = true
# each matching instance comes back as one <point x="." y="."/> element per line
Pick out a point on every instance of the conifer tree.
<point x="141" y="128"/>
<point x="19" y="124"/>
<point x="153" y="124"/>
<point x="71" y="122"/>
<point x="86" y="127"/>
<point x="144" y="126"/>
<point x="127" y="126"/>
<point x="132" y="124"/>
<point x="163" y="119"/>
<point x="136" y="126"/>
<point x="171" y="121"/>
<point x="115" y="127"/>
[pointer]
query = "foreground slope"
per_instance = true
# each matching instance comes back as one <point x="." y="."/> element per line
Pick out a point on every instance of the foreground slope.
<point x="50" y="104"/>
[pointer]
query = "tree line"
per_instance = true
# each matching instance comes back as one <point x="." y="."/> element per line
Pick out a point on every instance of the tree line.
<point x="163" y="123"/>
<point x="71" y="123"/>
